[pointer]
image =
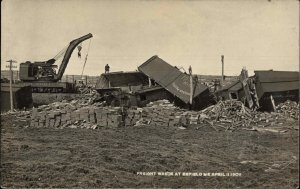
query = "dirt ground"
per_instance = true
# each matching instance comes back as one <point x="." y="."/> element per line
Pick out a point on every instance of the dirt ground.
<point x="111" y="157"/>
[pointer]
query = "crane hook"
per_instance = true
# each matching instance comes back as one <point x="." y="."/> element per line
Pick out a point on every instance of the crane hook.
<point x="79" y="47"/>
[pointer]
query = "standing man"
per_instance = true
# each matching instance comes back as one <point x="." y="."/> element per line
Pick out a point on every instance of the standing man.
<point x="107" y="68"/>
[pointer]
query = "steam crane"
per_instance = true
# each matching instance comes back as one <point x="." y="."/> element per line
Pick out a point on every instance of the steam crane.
<point x="42" y="75"/>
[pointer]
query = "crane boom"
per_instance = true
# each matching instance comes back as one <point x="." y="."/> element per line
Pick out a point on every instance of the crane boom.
<point x="68" y="54"/>
<point x="44" y="71"/>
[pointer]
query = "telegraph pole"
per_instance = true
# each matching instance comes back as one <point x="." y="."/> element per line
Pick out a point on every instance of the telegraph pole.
<point x="222" y="79"/>
<point x="10" y="84"/>
<point x="191" y="86"/>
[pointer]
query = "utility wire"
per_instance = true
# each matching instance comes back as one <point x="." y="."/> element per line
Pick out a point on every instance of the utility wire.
<point x="86" y="57"/>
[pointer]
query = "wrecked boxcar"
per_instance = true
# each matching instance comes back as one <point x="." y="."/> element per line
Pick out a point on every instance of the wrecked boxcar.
<point x="155" y="80"/>
<point x="177" y="83"/>
<point x="274" y="87"/>
<point x="264" y="90"/>
<point x="150" y="94"/>
<point x="126" y="81"/>
<point x="118" y="88"/>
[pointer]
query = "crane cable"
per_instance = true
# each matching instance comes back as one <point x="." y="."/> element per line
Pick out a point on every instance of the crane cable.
<point x="62" y="52"/>
<point x="86" y="57"/>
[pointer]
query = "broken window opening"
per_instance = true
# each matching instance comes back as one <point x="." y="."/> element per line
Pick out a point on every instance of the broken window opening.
<point x="233" y="96"/>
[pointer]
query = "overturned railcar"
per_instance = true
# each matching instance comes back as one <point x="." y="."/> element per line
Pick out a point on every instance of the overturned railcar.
<point x="276" y="86"/>
<point x="177" y="83"/>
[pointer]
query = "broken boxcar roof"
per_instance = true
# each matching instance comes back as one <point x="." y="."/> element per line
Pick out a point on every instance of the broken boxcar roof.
<point x="171" y="78"/>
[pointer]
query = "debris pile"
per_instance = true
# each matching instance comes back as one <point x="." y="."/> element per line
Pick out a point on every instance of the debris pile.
<point x="231" y="114"/>
<point x="225" y="115"/>
<point x="286" y="112"/>
<point x="108" y="116"/>
<point x="228" y="114"/>
<point x="86" y="98"/>
<point x="83" y="115"/>
<point x="289" y="109"/>
<point x="75" y="115"/>
<point x="158" y="113"/>
<point x="21" y="115"/>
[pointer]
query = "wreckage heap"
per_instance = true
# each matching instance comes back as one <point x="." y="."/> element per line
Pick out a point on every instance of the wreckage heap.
<point x="155" y="80"/>
<point x="176" y="82"/>
<point x="157" y="84"/>
<point x="264" y="90"/>
<point x="226" y="115"/>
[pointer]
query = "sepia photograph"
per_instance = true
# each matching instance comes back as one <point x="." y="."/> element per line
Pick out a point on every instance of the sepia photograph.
<point x="150" y="94"/>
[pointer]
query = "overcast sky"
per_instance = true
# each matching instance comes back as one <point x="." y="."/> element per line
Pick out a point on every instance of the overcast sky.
<point x="258" y="35"/>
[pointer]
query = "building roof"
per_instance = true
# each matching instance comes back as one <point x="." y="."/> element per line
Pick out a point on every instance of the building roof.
<point x="171" y="78"/>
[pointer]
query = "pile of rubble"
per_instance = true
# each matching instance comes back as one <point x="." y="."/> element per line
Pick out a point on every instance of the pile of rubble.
<point x="88" y="98"/>
<point x="164" y="113"/>
<point x="228" y="114"/>
<point x="225" y="115"/>
<point x="157" y="113"/>
<point x="232" y="114"/>
<point x="76" y="115"/>
<point x="289" y="109"/>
